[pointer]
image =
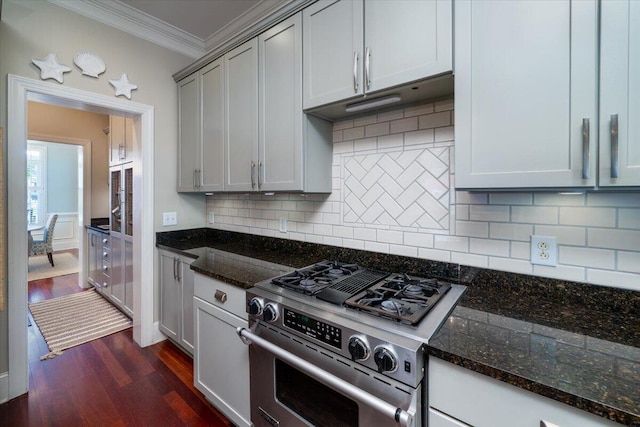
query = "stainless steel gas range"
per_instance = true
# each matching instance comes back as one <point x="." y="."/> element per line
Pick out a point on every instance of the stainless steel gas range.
<point x="334" y="344"/>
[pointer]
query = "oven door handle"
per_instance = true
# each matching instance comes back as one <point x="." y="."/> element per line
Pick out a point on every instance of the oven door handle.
<point x="401" y="416"/>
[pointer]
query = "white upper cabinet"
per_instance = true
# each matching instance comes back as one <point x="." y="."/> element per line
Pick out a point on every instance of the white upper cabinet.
<point x="620" y="93"/>
<point x="333" y="43"/>
<point x="201" y="123"/>
<point x="241" y="142"/>
<point x="355" y="47"/>
<point x="526" y="94"/>
<point x="295" y="150"/>
<point x="189" y="134"/>
<point x="121" y="137"/>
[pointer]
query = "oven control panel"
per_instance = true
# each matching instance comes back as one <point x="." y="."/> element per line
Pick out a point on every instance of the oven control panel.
<point x="313" y="328"/>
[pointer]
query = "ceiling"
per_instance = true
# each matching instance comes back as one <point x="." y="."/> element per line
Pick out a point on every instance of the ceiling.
<point x="200" y="18"/>
<point x="191" y="27"/>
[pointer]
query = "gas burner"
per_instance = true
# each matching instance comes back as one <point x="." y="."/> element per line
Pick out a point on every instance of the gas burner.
<point x="400" y="297"/>
<point x="393" y="306"/>
<point x="313" y="279"/>
<point x="308" y="283"/>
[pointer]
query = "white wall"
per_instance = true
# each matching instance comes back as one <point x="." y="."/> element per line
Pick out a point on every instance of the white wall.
<point x="392" y="179"/>
<point x="33" y="29"/>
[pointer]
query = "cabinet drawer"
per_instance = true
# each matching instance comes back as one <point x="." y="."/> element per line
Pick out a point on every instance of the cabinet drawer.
<point x="479" y="400"/>
<point x="228" y="297"/>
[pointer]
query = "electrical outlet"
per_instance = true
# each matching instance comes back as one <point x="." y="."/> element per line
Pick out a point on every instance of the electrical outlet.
<point x="211" y="217"/>
<point x="283" y="225"/>
<point x="544" y="250"/>
<point x="169" y="218"/>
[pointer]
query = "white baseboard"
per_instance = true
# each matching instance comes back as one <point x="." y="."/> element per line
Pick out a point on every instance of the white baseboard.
<point x="4" y="387"/>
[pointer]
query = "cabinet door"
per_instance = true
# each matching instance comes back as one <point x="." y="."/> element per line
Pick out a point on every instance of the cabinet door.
<point x="93" y="269"/>
<point x="117" y="271"/>
<point x="280" y="141"/>
<point x="170" y="296"/>
<point x="241" y="142"/>
<point x="522" y="94"/>
<point x="218" y="345"/>
<point x="117" y="139"/>
<point x="332" y="55"/>
<point x="187" y="322"/>
<point x="421" y="49"/>
<point x="128" y="275"/>
<point x="212" y="93"/>
<point x="189" y="133"/>
<point x="116" y="202"/>
<point x="620" y="93"/>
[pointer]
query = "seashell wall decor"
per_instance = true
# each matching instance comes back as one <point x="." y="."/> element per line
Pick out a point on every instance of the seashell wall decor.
<point x="90" y="63"/>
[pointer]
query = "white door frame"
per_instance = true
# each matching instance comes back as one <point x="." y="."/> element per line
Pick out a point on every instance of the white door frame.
<point x="20" y="90"/>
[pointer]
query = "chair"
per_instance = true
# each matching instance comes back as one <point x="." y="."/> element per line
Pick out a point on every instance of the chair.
<point x="45" y="246"/>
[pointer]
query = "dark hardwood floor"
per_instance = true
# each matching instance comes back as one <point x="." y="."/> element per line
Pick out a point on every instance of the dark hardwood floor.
<point x="107" y="382"/>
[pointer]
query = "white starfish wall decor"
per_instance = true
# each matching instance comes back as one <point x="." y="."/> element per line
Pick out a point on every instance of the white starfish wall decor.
<point x="123" y="86"/>
<point x="50" y="68"/>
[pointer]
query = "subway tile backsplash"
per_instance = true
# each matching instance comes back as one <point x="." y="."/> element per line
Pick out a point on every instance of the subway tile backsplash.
<point x="392" y="192"/>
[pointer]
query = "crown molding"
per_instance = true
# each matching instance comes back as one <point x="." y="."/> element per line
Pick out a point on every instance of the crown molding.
<point x="142" y="25"/>
<point x="242" y="29"/>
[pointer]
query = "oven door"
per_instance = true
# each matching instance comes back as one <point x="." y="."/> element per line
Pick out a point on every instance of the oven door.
<point x="295" y="383"/>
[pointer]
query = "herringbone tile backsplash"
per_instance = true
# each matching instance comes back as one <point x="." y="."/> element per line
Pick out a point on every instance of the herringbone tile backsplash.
<point x="393" y="180"/>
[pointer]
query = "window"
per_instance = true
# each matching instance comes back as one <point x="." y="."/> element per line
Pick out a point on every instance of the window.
<point x="36" y="183"/>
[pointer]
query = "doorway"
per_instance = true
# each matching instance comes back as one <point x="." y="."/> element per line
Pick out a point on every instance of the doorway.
<point x="20" y="91"/>
<point x="56" y="181"/>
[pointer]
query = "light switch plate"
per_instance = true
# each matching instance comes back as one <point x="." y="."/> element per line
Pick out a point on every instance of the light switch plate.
<point x="283" y="225"/>
<point x="211" y="217"/>
<point x="169" y="218"/>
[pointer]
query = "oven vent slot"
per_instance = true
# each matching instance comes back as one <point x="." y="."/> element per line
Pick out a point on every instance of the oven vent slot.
<point x="346" y="288"/>
<point x="404" y="391"/>
<point x="382" y="381"/>
<point x="325" y="354"/>
<point x="361" y="371"/>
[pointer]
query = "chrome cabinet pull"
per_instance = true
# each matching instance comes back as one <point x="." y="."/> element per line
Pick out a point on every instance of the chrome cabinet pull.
<point x="544" y="423"/>
<point x="194" y="179"/>
<point x="220" y="296"/>
<point x="614" y="145"/>
<point x="367" y="58"/>
<point x="355" y="71"/>
<point x="585" y="149"/>
<point x="259" y="175"/>
<point x="253" y="167"/>
<point x="174" y="269"/>
<point x="198" y="178"/>
<point x="404" y="418"/>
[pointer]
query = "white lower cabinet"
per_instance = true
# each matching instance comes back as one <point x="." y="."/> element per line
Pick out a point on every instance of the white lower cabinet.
<point x="221" y="360"/>
<point x="460" y="397"/>
<point x="176" y="299"/>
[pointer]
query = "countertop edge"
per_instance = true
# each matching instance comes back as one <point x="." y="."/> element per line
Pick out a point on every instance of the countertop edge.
<point x="99" y="230"/>
<point x="581" y="403"/>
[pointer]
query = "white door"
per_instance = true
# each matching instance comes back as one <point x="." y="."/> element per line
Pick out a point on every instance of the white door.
<point x="620" y="93"/>
<point x="525" y="92"/>
<point x="421" y="49"/>
<point x="241" y="142"/>
<point x="333" y="51"/>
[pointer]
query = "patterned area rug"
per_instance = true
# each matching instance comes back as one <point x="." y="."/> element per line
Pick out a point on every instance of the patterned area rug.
<point x="75" y="319"/>
<point x="39" y="267"/>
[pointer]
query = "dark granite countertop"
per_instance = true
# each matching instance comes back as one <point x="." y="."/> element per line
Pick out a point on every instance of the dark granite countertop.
<point x="575" y="343"/>
<point x="231" y="268"/>
<point x="572" y="342"/>
<point x="97" y="228"/>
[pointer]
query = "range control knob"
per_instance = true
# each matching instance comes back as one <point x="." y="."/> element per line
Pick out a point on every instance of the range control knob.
<point x="358" y="348"/>
<point x="270" y="313"/>
<point x="255" y="306"/>
<point x="385" y="360"/>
